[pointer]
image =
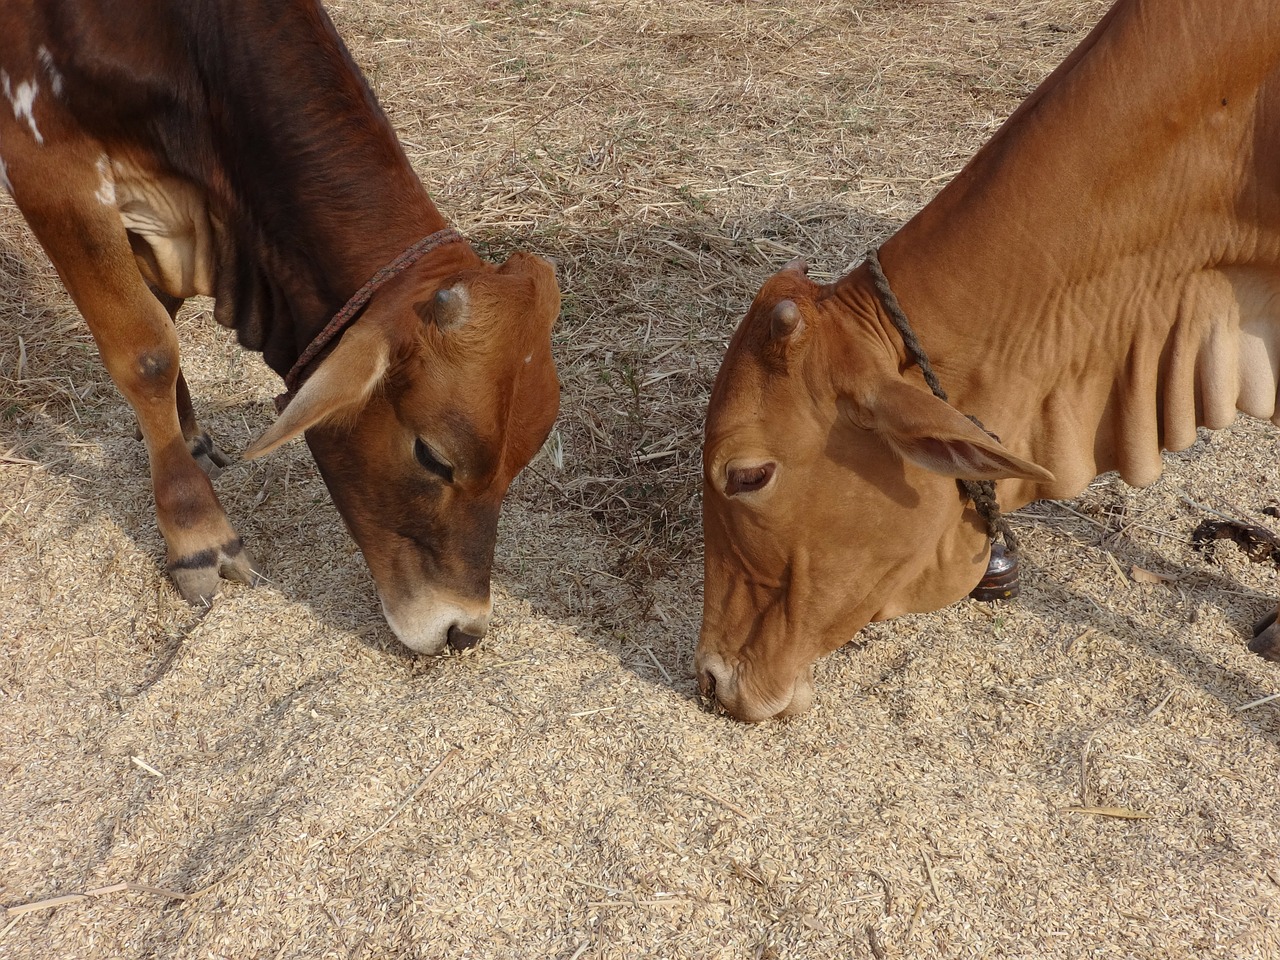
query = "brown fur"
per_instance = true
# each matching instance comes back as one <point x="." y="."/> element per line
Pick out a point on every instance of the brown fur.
<point x="233" y="148"/>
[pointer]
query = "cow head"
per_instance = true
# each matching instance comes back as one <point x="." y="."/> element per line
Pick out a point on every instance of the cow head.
<point x="829" y="494"/>
<point x="419" y="419"/>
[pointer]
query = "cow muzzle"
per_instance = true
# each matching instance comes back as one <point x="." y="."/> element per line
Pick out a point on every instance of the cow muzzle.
<point x="429" y="624"/>
<point x="733" y="691"/>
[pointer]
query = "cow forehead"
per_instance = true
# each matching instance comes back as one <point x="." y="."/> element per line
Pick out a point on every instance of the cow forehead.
<point x="483" y="380"/>
<point x="525" y="284"/>
<point x="754" y="396"/>
<point x="802" y="379"/>
<point x="490" y="406"/>
<point x="756" y="365"/>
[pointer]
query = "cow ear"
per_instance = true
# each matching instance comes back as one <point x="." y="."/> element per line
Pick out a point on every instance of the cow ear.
<point x="341" y="383"/>
<point x="934" y="435"/>
<point x="449" y="308"/>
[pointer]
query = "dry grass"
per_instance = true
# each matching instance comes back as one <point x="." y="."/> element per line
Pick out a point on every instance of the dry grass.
<point x="313" y="792"/>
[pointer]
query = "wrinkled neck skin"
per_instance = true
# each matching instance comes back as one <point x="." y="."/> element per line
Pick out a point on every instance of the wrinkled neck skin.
<point x="334" y="198"/>
<point x="1104" y="276"/>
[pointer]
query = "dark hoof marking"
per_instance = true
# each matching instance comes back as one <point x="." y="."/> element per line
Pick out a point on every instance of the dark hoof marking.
<point x="194" y="561"/>
<point x="197" y="575"/>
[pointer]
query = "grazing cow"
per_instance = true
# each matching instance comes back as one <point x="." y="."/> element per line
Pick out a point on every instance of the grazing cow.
<point x="1103" y="276"/>
<point x="165" y="148"/>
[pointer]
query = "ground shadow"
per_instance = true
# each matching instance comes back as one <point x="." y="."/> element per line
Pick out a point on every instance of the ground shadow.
<point x="1048" y="598"/>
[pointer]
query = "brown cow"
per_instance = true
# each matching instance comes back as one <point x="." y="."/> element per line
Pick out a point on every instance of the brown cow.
<point x="1103" y="276"/>
<point x="165" y="148"/>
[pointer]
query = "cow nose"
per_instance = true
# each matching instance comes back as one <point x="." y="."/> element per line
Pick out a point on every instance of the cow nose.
<point x="460" y="639"/>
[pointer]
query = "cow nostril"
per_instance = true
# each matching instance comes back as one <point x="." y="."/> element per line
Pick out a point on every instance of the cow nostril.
<point x="460" y="639"/>
<point x="707" y="689"/>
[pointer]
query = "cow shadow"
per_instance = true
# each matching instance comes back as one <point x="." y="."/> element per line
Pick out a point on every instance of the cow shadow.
<point x="1191" y="591"/>
<point x="638" y="351"/>
<point x="1198" y="587"/>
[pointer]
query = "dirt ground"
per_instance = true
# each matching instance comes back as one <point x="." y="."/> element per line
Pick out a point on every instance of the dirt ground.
<point x="313" y="791"/>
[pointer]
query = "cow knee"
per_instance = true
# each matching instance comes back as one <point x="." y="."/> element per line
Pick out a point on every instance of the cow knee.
<point x="148" y="374"/>
<point x="157" y="367"/>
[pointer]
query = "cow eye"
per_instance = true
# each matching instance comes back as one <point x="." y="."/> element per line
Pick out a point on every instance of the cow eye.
<point x="747" y="479"/>
<point x="432" y="461"/>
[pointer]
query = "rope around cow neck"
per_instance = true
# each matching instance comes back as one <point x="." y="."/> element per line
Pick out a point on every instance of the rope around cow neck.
<point x="981" y="492"/>
<point x="344" y="317"/>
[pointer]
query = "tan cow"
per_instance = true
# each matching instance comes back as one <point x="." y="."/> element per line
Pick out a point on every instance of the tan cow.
<point x="1103" y="276"/>
<point x="161" y="149"/>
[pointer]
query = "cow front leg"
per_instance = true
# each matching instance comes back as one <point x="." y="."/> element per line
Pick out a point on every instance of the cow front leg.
<point x="86" y="240"/>
<point x="201" y="446"/>
<point x="140" y="349"/>
<point x="201" y="546"/>
<point x="1266" y="637"/>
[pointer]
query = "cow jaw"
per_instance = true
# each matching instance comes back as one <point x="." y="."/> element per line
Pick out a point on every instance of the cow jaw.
<point x="767" y="620"/>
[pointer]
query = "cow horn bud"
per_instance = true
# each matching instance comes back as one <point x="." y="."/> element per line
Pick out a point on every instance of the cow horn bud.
<point x="799" y="263"/>
<point x="786" y="320"/>
<point x="447" y="309"/>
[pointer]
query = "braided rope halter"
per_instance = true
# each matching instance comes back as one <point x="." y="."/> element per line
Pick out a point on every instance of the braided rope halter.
<point x="1000" y="582"/>
<point x="296" y="376"/>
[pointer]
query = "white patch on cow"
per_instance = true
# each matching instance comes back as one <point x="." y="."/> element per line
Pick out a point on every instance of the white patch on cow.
<point x="23" y="98"/>
<point x="106" y="192"/>
<point x="528" y="358"/>
<point x="55" y="77"/>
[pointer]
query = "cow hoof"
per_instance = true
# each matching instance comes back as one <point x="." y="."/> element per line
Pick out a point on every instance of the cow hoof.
<point x="198" y="576"/>
<point x="1266" y="638"/>
<point x="206" y="453"/>
<point x="242" y="569"/>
